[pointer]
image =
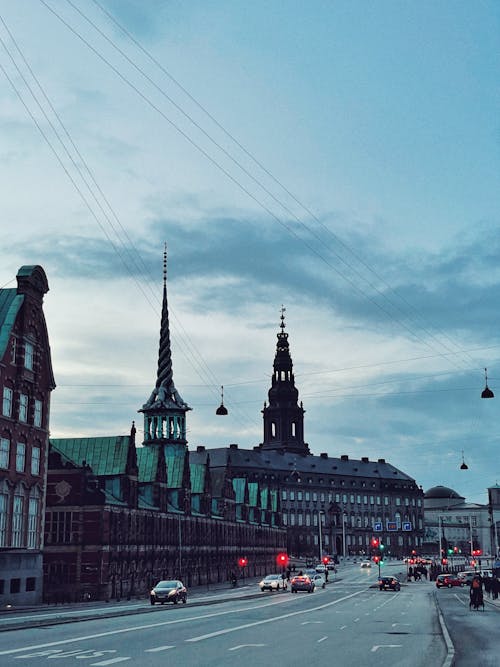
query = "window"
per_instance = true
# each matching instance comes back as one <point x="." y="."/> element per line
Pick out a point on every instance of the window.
<point x="33" y="523"/>
<point x="7" y="402"/>
<point x="4" y="498"/>
<point x="17" y="521"/>
<point x="15" y="585"/>
<point x="20" y="456"/>
<point x="30" y="584"/>
<point x="283" y="494"/>
<point x="299" y="495"/>
<point x="23" y="408"/>
<point x="35" y="460"/>
<point x="398" y="501"/>
<point x="28" y="356"/>
<point x="37" y="419"/>
<point x="308" y="496"/>
<point x="13" y="351"/>
<point x="4" y="452"/>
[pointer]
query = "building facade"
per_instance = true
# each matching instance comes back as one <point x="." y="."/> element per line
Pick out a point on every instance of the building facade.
<point x="27" y="381"/>
<point x="121" y="516"/>
<point x="330" y="505"/>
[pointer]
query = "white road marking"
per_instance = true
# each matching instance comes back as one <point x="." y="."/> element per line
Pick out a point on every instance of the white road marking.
<point x="310" y="622"/>
<point x="343" y="627"/>
<point x="158" y="648"/>
<point x="108" y="662"/>
<point x="394" y="624"/>
<point x="226" y="631"/>
<point x="138" y="628"/>
<point x="236" y="648"/>
<point x="322" y="639"/>
<point x="376" y="647"/>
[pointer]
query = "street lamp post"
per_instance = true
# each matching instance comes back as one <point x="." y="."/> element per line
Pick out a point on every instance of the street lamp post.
<point x="343" y="534"/>
<point x="320" y="513"/>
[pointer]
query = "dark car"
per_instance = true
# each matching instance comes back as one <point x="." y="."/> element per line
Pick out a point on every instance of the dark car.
<point x="168" y="591"/>
<point x="389" y="584"/>
<point x="302" y="583"/>
<point x="449" y="580"/>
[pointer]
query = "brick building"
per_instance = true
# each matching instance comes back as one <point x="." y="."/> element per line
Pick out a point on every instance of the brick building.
<point x="27" y="380"/>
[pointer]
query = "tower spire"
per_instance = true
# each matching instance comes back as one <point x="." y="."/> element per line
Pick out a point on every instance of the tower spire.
<point x="165" y="410"/>
<point x="284" y="417"/>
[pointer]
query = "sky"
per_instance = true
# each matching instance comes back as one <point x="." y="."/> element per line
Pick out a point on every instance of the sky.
<point x="339" y="159"/>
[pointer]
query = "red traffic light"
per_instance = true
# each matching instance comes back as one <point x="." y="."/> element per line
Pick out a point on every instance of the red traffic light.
<point x="375" y="542"/>
<point x="376" y="559"/>
<point x="444" y="561"/>
<point x="243" y="561"/>
<point x="326" y="560"/>
<point x="282" y="559"/>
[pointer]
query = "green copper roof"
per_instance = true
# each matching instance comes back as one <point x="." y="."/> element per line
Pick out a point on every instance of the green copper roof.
<point x="10" y="305"/>
<point x="174" y="458"/>
<point x="253" y="489"/>
<point x="147" y="463"/>
<point x="197" y="471"/>
<point x="105" y="455"/>
<point x="239" y="484"/>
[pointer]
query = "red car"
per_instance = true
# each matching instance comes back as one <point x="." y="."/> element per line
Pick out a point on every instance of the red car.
<point x="448" y="581"/>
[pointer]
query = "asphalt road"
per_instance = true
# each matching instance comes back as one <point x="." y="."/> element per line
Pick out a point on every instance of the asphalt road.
<point x="350" y="621"/>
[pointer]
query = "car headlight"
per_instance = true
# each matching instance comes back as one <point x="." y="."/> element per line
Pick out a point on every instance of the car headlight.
<point x="152" y="593"/>
<point x="170" y="593"/>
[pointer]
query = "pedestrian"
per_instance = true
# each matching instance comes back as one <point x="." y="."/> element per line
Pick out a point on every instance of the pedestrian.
<point x="410" y="573"/>
<point x="495" y="587"/>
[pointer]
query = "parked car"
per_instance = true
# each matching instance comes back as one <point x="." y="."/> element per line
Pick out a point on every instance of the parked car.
<point x="318" y="580"/>
<point x="273" y="582"/>
<point x="168" y="591"/>
<point x="449" y="580"/>
<point x="389" y="584"/>
<point x="302" y="583"/>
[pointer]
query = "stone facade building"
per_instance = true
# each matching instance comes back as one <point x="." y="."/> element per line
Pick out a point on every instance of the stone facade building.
<point x="27" y="380"/>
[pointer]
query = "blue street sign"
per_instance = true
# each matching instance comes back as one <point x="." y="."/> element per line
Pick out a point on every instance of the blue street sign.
<point x="377" y="526"/>
<point x="406" y="525"/>
<point x="392" y="525"/>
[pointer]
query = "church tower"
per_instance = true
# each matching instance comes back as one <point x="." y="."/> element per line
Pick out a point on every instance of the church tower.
<point x="284" y="417"/>
<point x="165" y="410"/>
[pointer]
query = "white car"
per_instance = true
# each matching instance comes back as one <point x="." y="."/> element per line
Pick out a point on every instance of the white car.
<point x="273" y="582"/>
<point x="320" y="567"/>
<point x="365" y="563"/>
<point x="318" y="580"/>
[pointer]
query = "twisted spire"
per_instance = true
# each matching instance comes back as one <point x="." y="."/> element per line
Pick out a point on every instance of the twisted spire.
<point x="165" y="394"/>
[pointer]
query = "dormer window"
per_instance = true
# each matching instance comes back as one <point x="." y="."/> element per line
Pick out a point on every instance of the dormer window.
<point x="28" y="355"/>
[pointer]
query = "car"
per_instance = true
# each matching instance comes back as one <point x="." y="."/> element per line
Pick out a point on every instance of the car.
<point x="318" y="580"/>
<point x="302" y="583"/>
<point x="389" y="584"/>
<point x="364" y="564"/>
<point x="168" y="591"/>
<point x="273" y="582"/>
<point x="449" y="580"/>
<point x="320" y="567"/>
<point x="467" y="576"/>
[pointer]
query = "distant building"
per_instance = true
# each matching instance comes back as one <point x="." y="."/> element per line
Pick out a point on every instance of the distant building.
<point x="27" y="381"/>
<point x="455" y="525"/>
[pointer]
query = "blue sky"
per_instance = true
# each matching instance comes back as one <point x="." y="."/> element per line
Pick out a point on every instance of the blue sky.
<point x="339" y="158"/>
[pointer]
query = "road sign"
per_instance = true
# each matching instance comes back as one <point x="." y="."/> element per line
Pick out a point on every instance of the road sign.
<point x="377" y="526"/>
<point x="392" y="525"/>
<point x="406" y="525"/>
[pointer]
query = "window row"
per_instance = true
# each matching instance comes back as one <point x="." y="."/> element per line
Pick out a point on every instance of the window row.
<point x="344" y="498"/>
<point x="23" y="411"/>
<point x="14" y="586"/>
<point x="7" y="452"/>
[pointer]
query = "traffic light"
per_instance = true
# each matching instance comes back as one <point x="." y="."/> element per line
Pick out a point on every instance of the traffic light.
<point x="450" y="551"/>
<point x="375" y="542"/>
<point x="282" y="560"/>
<point x="243" y="561"/>
<point x="444" y="561"/>
<point x="326" y="560"/>
<point x="381" y="546"/>
<point x="376" y="559"/>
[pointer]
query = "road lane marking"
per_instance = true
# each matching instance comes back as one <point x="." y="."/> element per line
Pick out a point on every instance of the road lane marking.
<point x="376" y="647"/>
<point x="108" y="662"/>
<point x="237" y="648"/>
<point x="226" y="631"/>
<point x="138" y="628"/>
<point x="322" y="639"/>
<point x="158" y="648"/>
